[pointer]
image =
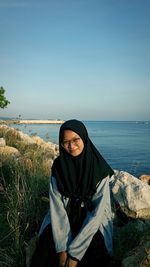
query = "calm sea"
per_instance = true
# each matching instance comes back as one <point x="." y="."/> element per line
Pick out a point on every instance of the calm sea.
<point x="125" y="145"/>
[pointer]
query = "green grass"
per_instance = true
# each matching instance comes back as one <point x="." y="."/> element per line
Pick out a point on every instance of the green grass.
<point x="20" y="218"/>
<point x="24" y="182"/>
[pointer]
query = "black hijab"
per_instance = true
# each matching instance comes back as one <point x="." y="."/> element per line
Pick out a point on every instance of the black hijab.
<point x="78" y="176"/>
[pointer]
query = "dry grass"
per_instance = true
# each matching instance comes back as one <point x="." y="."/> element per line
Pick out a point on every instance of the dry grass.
<point x="24" y="182"/>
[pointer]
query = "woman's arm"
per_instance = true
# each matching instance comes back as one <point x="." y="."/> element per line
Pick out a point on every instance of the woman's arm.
<point x="71" y="263"/>
<point x="62" y="258"/>
<point x="59" y="219"/>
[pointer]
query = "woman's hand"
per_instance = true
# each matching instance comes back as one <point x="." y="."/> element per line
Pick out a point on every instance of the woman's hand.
<point x="71" y="263"/>
<point x="62" y="258"/>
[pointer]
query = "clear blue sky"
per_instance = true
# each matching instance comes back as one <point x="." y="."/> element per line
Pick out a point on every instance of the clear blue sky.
<point x="84" y="59"/>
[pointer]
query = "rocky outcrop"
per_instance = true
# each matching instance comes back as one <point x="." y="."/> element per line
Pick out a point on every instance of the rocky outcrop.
<point x="132" y="195"/>
<point x="16" y="138"/>
<point x="9" y="132"/>
<point x="30" y="153"/>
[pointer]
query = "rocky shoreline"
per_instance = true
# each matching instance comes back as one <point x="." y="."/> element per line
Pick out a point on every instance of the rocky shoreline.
<point x="130" y="194"/>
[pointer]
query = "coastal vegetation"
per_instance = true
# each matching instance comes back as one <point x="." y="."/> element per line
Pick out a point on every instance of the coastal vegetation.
<point x="25" y="167"/>
<point x="3" y="101"/>
<point x="24" y="183"/>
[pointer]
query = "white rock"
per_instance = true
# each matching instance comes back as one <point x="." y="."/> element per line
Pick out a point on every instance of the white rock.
<point x="26" y="138"/>
<point x="132" y="195"/>
<point x="7" y="130"/>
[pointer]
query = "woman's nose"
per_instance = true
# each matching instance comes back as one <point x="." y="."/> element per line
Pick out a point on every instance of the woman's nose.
<point x="71" y="144"/>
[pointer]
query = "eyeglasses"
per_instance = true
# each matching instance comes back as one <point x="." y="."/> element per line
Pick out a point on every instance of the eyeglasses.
<point x="67" y="143"/>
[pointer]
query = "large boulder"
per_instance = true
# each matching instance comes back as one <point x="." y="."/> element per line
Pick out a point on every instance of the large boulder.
<point x="33" y="150"/>
<point x="131" y="194"/>
<point x="12" y="134"/>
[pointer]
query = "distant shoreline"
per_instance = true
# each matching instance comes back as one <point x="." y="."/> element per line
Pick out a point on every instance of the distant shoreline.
<point x="31" y="121"/>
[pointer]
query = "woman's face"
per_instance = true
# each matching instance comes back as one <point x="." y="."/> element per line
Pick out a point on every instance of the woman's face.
<point x="72" y="143"/>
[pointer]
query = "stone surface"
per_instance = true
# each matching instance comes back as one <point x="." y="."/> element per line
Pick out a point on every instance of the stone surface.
<point x="132" y="195"/>
<point x="16" y="134"/>
<point x="2" y="142"/>
<point x="26" y="138"/>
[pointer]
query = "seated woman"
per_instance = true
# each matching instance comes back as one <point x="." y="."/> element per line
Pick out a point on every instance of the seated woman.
<point x="77" y="231"/>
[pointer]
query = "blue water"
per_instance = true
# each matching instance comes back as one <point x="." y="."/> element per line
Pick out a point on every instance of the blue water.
<point x="125" y="145"/>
